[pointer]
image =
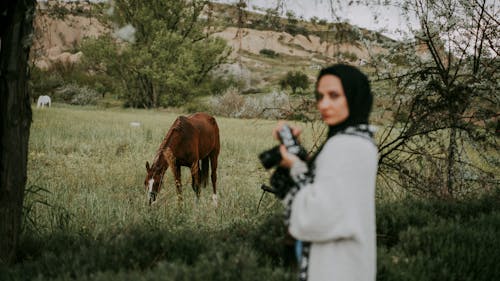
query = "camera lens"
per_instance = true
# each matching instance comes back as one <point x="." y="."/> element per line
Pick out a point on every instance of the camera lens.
<point x="270" y="158"/>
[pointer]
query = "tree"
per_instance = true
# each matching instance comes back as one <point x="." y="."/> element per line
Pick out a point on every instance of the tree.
<point x="442" y="81"/>
<point x="291" y="17"/>
<point x="168" y="59"/>
<point x="295" y="80"/>
<point x="446" y="96"/>
<point x="16" y="18"/>
<point x="271" y="19"/>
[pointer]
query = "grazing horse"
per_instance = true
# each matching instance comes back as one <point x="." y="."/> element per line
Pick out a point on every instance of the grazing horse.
<point x="42" y="101"/>
<point x="189" y="140"/>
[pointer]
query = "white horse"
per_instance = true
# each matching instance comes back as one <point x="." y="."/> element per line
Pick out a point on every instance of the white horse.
<point x="42" y="101"/>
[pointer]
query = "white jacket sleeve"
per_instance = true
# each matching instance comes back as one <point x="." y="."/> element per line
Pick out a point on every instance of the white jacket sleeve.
<point x="341" y="199"/>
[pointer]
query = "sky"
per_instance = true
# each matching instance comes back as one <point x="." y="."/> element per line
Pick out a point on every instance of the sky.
<point x="388" y="18"/>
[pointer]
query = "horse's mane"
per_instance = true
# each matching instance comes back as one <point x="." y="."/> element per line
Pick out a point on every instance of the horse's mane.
<point x="178" y="125"/>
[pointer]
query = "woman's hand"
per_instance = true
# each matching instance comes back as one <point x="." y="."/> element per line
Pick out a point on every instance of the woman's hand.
<point x="287" y="159"/>
<point x="296" y="131"/>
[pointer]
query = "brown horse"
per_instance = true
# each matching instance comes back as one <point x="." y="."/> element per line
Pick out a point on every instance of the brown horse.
<point x="190" y="140"/>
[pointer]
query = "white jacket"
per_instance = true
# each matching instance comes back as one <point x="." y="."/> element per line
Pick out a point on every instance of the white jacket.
<point x="336" y="213"/>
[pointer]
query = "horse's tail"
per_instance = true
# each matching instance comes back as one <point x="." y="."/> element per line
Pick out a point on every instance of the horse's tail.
<point x="204" y="172"/>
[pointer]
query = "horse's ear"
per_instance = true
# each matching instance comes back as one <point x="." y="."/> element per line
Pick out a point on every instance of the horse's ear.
<point x="147" y="166"/>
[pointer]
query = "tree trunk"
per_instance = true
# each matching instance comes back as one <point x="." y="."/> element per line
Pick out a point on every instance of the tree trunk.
<point x="16" y="28"/>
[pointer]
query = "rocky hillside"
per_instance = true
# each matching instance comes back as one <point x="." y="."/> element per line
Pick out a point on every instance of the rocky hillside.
<point x="266" y="54"/>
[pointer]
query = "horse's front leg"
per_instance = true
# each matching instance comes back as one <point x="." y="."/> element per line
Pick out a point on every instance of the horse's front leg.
<point x="213" y="164"/>
<point x="176" y="170"/>
<point x="195" y="178"/>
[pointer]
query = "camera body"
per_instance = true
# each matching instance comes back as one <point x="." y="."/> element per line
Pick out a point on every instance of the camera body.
<point x="281" y="181"/>
<point x="272" y="157"/>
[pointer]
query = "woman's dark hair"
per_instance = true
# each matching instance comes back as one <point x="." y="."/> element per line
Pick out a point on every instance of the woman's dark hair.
<point x="357" y="91"/>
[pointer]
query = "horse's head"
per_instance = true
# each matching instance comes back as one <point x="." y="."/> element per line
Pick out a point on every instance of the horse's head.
<point x="153" y="181"/>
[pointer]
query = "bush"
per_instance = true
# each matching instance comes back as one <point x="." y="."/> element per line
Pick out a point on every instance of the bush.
<point x="44" y="82"/>
<point x="196" y="106"/>
<point x="295" y="30"/>
<point x="350" y="56"/>
<point x="268" y="53"/>
<point x="233" y="104"/>
<point x="229" y="104"/>
<point x="322" y="22"/>
<point x="433" y="240"/>
<point x="76" y="95"/>
<point x="446" y="250"/>
<point x="295" y="80"/>
<point x="439" y="240"/>
<point x="243" y="251"/>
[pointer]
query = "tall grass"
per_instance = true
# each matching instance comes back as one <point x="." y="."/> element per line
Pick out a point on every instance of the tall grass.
<point x="92" y="165"/>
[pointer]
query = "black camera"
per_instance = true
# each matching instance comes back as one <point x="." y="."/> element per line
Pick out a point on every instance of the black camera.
<point x="272" y="157"/>
<point x="281" y="181"/>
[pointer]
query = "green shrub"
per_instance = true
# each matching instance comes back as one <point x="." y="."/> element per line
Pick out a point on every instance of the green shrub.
<point x="44" y="82"/>
<point x="322" y="22"/>
<point x="439" y="240"/>
<point x="76" y="95"/>
<point x="446" y="250"/>
<point x="350" y="56"/>
<point x="267" y="106"/>
<point x="240" y="252"/>
<point x="295" y="30"/>
<point x="295" y="80"/>
<point x="268" y="53"/>
<point x="197" y="106"/>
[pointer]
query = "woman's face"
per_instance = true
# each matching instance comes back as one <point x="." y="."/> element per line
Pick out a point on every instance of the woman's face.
<point x="331" y="100"/>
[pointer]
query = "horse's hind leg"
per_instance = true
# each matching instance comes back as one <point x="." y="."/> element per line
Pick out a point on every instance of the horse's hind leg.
<point x="213" y="165"/>
<point x="204" y="171"/>
<point x="195" y="178"/>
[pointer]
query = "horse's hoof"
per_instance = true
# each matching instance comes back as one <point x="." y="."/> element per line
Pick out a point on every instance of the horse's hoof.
<point x="215" y="200"/>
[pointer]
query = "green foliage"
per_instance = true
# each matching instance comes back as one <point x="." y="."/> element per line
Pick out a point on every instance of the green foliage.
<point x="342" y="33"/>
<point x="314" y="20"/>
<point x="239" y="252"/>
<point x="69" y="85"/>
<point x="268" y="106"/>
<point x="295" y="80"/>
<point x="268" y="53"/>
<point x="44" y="82"/>
<point x="294" y="29"/>
<point x="349" y="56"/>
<point x="322" y="22"/>
<point x="445" y="89"/>
<point x="438" y="240"/>
<point x="57" y="10"/>
<point x="291" y="17"/>
<point x="76" y="95"/>
<point x="271" y="20"/>
<point x="436" y="252"/>
<point x="169" y="58"/>
<point x="196" y="106"/>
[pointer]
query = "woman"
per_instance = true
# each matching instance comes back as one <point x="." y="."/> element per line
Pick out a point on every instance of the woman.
<point x="332" y="208"/>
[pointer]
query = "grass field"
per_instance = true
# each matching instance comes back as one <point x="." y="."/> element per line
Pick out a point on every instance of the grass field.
<point x="92" y="164"/>
<point x="87" y="218"/>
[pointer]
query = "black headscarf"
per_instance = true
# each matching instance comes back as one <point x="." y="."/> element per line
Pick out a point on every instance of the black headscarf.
<point x="359" y="100"/>
<point x="358" y="94"/>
